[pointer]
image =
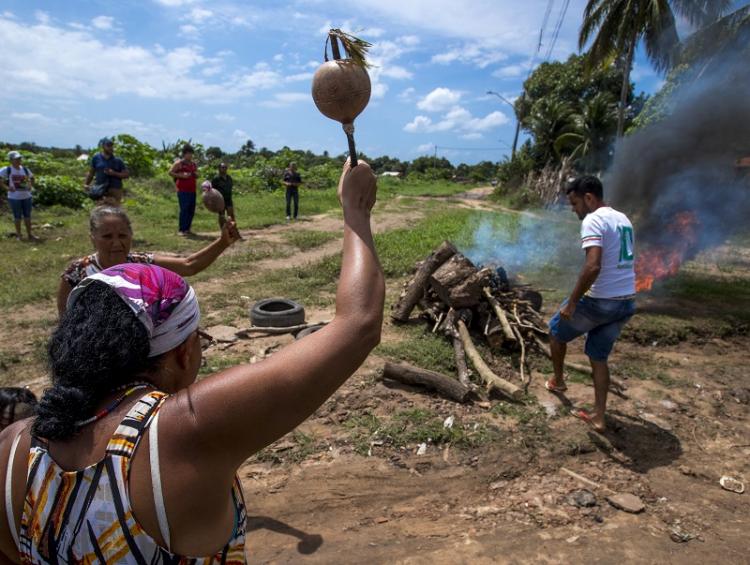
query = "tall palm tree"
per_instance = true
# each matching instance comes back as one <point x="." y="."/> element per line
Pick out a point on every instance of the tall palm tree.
<point x="617" y="26"/>
<point x="589" y="135"/>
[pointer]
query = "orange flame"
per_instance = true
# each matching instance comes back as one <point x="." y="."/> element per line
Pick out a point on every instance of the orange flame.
<point x="663" y="261"/>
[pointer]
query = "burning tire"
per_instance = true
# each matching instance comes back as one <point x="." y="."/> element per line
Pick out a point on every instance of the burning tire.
<point x="277" y="313"/>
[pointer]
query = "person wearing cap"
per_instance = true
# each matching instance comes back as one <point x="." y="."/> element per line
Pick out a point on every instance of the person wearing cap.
<point x="184" y="171"/>
<point x="223" y="183"/>
<point x="107" y="171"/>
<point x="18" y="181"/>
<point x="130" y="458"/>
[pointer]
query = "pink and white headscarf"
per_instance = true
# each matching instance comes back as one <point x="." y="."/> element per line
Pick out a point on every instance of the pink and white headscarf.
<point x="162" y="301"/>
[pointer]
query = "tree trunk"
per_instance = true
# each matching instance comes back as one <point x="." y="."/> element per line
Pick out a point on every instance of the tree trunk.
<point x="442" y="384"/>
<point x="625" y="88"/>
<point x="402" y="309"/>
<point x="490" y="379"/>
<point x="459" y="283"/>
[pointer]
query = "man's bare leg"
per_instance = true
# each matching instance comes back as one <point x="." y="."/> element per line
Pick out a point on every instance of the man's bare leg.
<point x="558" y="349"/>
<point x="601" y="388"/>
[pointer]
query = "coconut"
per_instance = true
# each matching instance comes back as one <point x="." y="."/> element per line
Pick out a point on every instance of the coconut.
<point x="341" y="90"/>
<point x="213" y="200"/>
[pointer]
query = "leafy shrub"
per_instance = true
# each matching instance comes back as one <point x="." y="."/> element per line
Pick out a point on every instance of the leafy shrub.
<point x="59" y="190"/>
<point x="139" y="157"/>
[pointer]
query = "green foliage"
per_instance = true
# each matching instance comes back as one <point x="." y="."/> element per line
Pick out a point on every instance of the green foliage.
<point x="139" y="157"/>
<point x="565" y="97"/>
<point x="59" y="190"/>
<point x="512" y="172"/>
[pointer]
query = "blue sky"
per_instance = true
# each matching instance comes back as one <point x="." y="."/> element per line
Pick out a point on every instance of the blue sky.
<point x="222" y="72"/>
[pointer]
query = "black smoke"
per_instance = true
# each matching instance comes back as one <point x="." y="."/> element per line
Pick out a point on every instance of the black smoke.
<point x="686" y="161"/>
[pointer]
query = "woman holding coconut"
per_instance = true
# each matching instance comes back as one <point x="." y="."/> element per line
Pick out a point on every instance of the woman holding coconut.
<point x="124" y="360"/>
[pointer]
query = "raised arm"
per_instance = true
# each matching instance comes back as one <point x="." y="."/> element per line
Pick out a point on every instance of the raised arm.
<point x="89" y="177"/>
<point x="195" y="263"/>
<point x="229" y="416"/>
<point x="63" y="291"/>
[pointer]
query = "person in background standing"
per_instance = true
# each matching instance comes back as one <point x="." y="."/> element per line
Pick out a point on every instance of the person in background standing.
<point x="292" y="180"/>
<point x="223" y="183"/>
<point x="107" y="172"/>
<point x="185" y="173"/>
<point x="19" y="182"/>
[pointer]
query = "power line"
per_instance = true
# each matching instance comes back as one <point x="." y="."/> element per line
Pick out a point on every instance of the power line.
<point x="558" y="27"/>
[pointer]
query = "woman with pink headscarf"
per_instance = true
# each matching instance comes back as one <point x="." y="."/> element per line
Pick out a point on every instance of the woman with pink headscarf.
<point x="129" y="459"/>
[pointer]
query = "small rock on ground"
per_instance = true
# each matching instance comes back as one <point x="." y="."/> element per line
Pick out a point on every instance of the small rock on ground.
<point x="581" y="498"/>
<point x="626" y="502"/>
<point x="223" y="334"/>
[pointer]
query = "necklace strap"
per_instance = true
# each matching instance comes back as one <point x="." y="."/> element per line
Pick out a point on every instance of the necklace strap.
<point x="130" y="388"/>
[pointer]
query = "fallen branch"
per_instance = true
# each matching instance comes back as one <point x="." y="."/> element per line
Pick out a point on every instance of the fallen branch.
<point x="402" y="309"/>
<point x="278" y="331"/>
<point x="491" y="380"/>
<point x="501" y="316"/>
<point x="584" y="480"/>
<point x="442" y="384"/>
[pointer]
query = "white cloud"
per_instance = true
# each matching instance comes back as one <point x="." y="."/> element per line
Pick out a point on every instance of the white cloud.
<point x="199" y="15"/>
<point x="103" y="22"/>
<point x="439" y="99"/>
<point x="510" y="71"/>
<point x="478" y="54"/>
<point x="41" y="55"/>
<point x="472" y="136"/>
<point x="299" y="77"/>
<point x="407" y="94"/>
<point x="240" y="134"/>
<point x="174" y="3"/>
<point x="457" y="119"/>
<point x="223" y="117"/>
<point x="283" y="99"/>
<point x="189" y="29"/>
<point x="42" y="17"/>
<point x="426" y="147"/>
<point x="31" y="116"/>
<point x="278" y="57"/>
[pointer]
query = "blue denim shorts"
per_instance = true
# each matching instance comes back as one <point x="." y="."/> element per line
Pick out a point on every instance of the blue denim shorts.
<point x="601" y="319"/>
<point x="20" y="208"/>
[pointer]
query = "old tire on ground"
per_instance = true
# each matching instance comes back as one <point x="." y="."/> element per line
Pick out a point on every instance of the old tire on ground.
<point x="307" y="331"/>
<point x="277" y="313"/>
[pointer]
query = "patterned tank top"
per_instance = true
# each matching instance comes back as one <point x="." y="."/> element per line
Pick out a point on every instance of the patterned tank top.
<point x="85" y="516"/>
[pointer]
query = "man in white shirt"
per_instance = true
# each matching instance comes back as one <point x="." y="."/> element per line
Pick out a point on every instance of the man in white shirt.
<point x="19" y="182"/>
<point x="603" y="299"/>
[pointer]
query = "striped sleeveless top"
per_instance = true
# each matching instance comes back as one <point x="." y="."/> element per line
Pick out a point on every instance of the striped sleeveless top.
<point x="85" y="516"/>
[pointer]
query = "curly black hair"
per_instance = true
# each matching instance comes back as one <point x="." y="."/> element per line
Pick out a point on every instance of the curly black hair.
<point x="16" y="403"/>
<point x="98" y="346"/>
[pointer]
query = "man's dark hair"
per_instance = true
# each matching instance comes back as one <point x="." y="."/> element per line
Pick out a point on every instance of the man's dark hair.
<point x="586" y="184"/>
<point x="187" y="148"/>
<point x="98" y="346"/>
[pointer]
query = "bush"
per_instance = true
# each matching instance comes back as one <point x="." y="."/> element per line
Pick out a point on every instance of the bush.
<point x="139" y="157"/>
<point x="59" y="190"/>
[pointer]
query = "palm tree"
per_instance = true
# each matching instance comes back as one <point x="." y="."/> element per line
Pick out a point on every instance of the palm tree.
<point x="589" y="135"/>
<point x="548" y="120"/>
<point x="617" y="26"/>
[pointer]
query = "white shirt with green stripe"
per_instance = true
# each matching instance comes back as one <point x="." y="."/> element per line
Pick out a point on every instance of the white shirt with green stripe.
<point x="612" y="231"/>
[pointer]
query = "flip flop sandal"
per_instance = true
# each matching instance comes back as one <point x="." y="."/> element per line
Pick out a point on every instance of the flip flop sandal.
<point x="553" y="388"/>
<point x="586" y="417"/>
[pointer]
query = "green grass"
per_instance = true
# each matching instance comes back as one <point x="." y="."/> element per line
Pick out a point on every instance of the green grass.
<point x="309" y="239"/>
<point x="417" y="346"/>
<point x="390" y="188"/>
<point x="415" y="426"/>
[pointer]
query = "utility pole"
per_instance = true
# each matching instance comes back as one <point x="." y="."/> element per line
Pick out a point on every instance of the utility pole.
<point x="434" y="158"/>
<point x="518" y="120"/>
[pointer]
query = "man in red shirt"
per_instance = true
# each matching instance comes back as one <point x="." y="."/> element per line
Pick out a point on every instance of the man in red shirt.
<point x="184" y="171"/>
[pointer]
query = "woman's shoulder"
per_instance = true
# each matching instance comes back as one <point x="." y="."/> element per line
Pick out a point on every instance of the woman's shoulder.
<point x="75" y="272"/>
<point x="140" y="257"/>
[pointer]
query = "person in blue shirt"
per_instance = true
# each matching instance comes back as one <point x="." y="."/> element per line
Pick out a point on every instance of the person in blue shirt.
<point x="107" y="172"/>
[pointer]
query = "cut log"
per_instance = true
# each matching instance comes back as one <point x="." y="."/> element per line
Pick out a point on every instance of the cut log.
<point x="491" y="380"/>
<point x="414" y="376"/>
<point x="402" y="309"/>
<point x="459" y="353"/>
<point x="501" y="315"/>
<point x="459" y="283"/>
<point x="615" y="384"/>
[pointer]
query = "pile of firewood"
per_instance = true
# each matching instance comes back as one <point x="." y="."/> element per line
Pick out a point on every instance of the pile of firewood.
<point x="464" y="303"/>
